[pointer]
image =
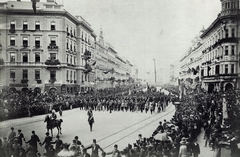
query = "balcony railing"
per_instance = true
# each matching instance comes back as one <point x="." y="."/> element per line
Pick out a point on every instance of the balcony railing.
<point x="12" y="30"/>
<point x="24" y="81"/>
<point x="53" y="47"/>
<point x="52" y="62"/>
<point x="39" y="81"/>
<point x="52" y="80"/>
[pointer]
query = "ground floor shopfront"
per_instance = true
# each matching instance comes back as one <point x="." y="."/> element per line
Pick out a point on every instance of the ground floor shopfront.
<point x="220" y="83"/>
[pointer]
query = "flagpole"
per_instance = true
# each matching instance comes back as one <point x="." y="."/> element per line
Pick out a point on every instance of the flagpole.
<point x="155" y="71"/>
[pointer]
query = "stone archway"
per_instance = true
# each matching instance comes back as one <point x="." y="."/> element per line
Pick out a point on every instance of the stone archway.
<point x="12" y="90"/>
<point x="228" y="86"/>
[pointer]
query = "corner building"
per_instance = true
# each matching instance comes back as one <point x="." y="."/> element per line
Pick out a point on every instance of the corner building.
<point x="221" y="50"/>
<point x="43" y="50"/>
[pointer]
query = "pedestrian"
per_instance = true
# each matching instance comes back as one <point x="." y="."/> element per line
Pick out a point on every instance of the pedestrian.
<point x="20" y="137"/>
<point x="34" y="140"/>
<point x="58" y="145"/>
<point x="183" y="149"/>
<point x="90" y="118"/>
<point x="5" y="149"/>
<point x="84" y="153"/>
<point x="195" y="148"/>
<point x="207" y="136"/>
<point x="16" y="148"/>
<point x="11" y="137"/>
<point x="47" y="141"/>
<point x="115" y="152"/>
<point x="95" y="148"/>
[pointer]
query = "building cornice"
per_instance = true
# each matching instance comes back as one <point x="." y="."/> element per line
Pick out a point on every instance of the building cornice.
<point x="216" y="22"/>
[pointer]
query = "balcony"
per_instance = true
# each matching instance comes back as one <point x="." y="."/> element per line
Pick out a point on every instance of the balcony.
<point x="52" y="47"/>
<point x="53" y="63"/>
<point x="39" y="81"/>
<point x="229" y="58"/>
<point x="12" y="30"/>
<point x="52" y="80"/>
<point x="24" y="81"/>
<point x="37" y="46"/>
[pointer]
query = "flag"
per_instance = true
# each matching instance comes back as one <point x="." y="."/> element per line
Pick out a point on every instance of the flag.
<point x="94" y="63"/>
<point x="34" y="5"/>
<point x="105" y="72"/>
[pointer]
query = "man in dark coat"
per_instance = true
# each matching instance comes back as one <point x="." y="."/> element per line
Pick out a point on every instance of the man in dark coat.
<point x="195" y="148"/>
<point x="95" y="147"/>
<point x="34" y="140"/>
<point x="90" y="118"/>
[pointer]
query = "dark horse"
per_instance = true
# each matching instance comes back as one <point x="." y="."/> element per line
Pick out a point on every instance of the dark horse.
<point x="51" y="124"/>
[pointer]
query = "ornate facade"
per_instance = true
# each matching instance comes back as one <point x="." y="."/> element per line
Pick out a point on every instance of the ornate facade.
<point x="220" y="63"/>
<point x="215" y="59"/>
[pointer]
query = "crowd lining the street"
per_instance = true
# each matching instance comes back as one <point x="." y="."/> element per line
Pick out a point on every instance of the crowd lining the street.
<point x="174" y="138"/>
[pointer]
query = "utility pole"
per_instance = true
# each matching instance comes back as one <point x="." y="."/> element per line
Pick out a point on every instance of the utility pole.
<point x="155" y="71"/>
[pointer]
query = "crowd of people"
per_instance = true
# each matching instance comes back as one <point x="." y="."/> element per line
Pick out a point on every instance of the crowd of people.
<point x="195" y="112"/>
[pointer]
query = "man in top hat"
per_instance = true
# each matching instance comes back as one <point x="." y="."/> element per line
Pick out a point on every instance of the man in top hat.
<point x="95" y="147"/>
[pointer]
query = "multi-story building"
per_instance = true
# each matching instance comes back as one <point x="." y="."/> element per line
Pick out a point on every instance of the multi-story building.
<point x="220" y="63"/>
<point x="190" y="63"/>
<point x="44" y="50"/>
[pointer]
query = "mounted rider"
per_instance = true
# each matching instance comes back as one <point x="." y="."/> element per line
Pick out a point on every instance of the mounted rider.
<point x="53" y="116"/>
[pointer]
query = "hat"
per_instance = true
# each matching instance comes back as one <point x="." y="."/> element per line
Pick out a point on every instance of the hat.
<point x="47" y="133"/>
<point x="183" y="142"/>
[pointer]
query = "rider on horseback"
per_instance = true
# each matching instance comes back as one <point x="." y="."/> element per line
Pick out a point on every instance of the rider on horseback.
<point x="53" y="116"/>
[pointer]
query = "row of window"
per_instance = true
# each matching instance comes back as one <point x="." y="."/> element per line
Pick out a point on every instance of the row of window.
<point x="37" y="25"/>
<point x="25" y="57"/>
<point x="220" y="69"/>
<point x="71" y="73"/>
<point x="220" y="34"/>
<point x="37" y="76"/>
<point x="25" y="41"/>
<point x="228" y="50"/>
<point x="229" y="5"/>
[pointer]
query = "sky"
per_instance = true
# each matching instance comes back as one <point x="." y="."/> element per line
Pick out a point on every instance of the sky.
<point x="143" y="30"/>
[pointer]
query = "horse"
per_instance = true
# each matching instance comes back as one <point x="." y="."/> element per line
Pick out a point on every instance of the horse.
<point x="51" y="124"/>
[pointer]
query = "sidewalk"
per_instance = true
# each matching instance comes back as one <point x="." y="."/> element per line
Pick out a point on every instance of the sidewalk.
<point x="19" y="121"/>
<point x="204" y="151"/>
